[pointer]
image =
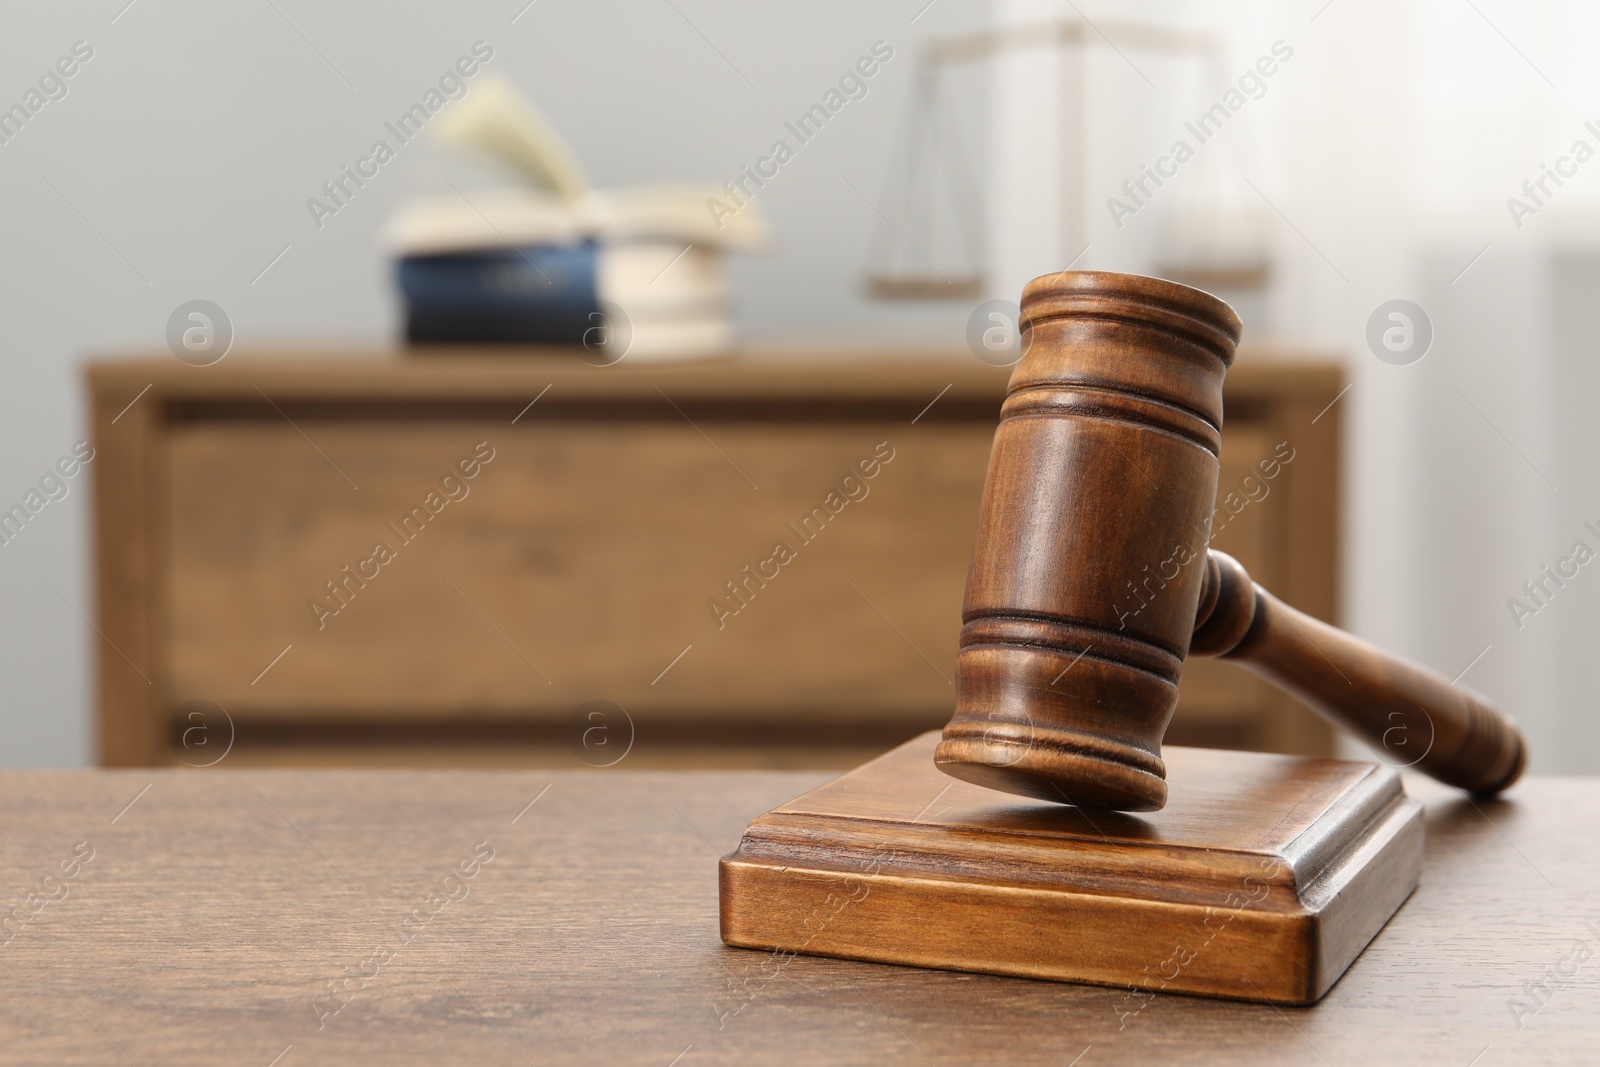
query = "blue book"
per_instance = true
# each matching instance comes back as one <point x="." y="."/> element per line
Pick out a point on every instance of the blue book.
<point x="535" y="294"/>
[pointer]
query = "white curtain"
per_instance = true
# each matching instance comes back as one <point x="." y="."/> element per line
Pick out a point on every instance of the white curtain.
<point x="1381" y="156"/>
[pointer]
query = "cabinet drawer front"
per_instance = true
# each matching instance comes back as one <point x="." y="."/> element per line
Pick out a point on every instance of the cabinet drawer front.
<point x="582" y="559"/>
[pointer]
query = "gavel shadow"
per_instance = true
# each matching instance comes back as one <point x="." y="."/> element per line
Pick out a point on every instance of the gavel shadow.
<point x="1455" y="820"/>
<point x="1060" y="819"/>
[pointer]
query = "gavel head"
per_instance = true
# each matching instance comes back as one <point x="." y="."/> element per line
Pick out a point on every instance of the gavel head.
<point x="1090" y="554"/>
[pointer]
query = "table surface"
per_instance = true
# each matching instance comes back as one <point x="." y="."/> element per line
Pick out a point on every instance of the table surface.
<point x="276" y="919"/>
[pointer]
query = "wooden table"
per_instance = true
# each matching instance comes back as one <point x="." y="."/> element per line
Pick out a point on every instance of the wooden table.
<point x="213" y="917"/>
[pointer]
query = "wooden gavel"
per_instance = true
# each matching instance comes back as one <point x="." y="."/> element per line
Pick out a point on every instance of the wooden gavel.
<point x="1104" y="470"/>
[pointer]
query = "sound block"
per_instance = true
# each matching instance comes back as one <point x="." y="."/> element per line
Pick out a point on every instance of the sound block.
<point x="1262" y="879"/>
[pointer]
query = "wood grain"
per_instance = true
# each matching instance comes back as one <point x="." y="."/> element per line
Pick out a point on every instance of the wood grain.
<point x="206" y="924"/>
<point x="1261" y="880"/>
<point x="1411" y="713"/>
<point x="1098" y="506"/>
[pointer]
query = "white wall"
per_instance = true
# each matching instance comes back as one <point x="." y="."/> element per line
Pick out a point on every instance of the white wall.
<point x="193" y="137"/>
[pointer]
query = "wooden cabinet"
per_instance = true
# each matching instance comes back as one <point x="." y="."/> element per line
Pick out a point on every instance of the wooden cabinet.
<point x="371" y="559"/>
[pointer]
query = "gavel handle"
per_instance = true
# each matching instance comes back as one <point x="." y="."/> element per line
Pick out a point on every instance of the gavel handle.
<point x="1413" y="715"/>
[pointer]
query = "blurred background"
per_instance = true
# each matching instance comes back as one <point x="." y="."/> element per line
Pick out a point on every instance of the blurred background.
<point x="1341" y="156"/>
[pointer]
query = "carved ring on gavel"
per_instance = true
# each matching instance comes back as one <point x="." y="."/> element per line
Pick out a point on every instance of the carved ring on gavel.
<point x="1103" y="472"/>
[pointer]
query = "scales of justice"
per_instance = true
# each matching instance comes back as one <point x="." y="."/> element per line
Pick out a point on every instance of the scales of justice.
<point x="1045" y="833"/>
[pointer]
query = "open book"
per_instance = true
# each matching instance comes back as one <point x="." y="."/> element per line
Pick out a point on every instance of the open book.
<point x="538" y="261"/>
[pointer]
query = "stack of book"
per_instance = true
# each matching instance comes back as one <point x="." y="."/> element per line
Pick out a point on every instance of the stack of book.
<point x="635" y="273"/>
